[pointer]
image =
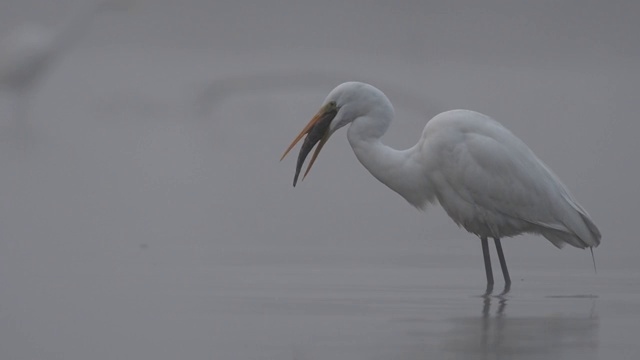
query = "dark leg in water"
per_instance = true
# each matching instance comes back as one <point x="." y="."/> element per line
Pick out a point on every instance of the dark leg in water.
<point x="487" y="264"/>
<point x="503" y="264"/>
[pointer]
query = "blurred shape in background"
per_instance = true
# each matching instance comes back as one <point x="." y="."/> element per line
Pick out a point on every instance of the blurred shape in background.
<point x="28" y="52"/>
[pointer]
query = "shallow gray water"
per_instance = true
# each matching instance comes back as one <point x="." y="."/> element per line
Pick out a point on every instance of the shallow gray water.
<point x="145" y="214"/>
<point x="141" y="309"/>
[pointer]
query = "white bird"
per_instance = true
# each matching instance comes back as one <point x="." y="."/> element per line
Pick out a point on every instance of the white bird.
<point x="486" y="179"/>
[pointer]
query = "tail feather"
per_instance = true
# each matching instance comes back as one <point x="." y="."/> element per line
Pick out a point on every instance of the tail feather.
<point x="571" y="222"/>
<point x="578" y="222"/>
<point x="561" y="238"/>
<point x="592" y="229"/>
<point x="574" y="228"/>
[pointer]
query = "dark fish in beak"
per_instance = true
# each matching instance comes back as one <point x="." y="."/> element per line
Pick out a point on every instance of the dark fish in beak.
<point x="319" y="131"/>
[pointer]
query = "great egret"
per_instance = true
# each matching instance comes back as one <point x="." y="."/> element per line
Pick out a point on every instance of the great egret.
<point x="29" y="50"/>
<point x="486" y="179"/>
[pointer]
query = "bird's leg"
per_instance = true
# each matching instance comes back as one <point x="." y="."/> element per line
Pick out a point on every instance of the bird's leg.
<point x="487" y="264"/>
<point x="503" y="265"/>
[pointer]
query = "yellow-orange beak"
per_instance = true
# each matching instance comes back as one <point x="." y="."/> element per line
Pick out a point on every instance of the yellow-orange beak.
<point x="317" y="130"/>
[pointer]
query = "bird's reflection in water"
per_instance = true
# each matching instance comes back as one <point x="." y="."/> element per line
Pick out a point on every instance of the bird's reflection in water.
<point x="495" y="334"/>
<point x="492" y="324"/>
<point x="486" y="305"/>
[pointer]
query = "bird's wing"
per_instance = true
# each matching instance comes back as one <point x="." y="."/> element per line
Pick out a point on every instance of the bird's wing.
<point x="501" y="176"/>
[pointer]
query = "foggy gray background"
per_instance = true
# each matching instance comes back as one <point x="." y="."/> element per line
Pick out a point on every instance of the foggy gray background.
<point x="148" y="217"/>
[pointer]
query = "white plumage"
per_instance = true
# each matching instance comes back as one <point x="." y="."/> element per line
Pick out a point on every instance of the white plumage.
<point x="493" y="185"/>
<point x="486" y="179"/>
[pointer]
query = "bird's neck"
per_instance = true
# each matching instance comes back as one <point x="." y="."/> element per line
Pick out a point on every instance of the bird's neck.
<point x="400" y="170"/>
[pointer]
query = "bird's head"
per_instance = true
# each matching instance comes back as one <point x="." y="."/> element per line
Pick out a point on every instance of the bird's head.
<point x="344" y="104"/>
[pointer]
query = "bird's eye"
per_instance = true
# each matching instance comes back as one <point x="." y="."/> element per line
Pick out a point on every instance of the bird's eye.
<point x="332" y="104"/>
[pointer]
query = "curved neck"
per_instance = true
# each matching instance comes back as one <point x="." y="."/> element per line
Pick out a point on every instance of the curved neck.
<point x="400" y="170"/>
